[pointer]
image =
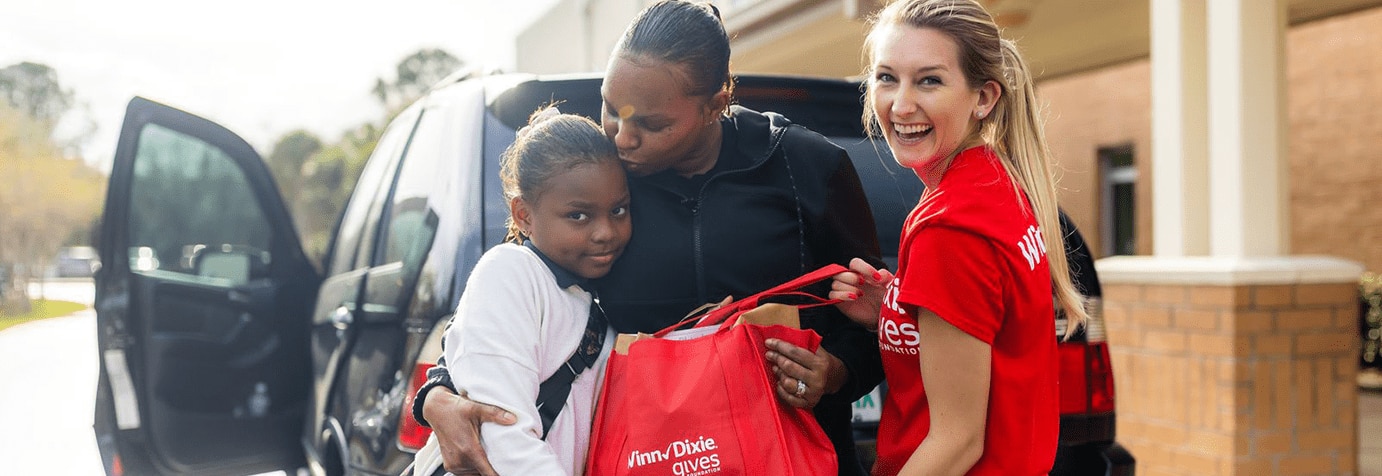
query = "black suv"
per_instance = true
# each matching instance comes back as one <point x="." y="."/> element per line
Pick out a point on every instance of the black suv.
<point x="224" y="351"/>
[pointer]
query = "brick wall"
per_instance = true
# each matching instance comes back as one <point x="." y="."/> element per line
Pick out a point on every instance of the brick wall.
<point x="1235" y="380"/>
<point x="1335" y="103"/>
<point x="1334" y="107"/>
<point x="1107" y="107"/>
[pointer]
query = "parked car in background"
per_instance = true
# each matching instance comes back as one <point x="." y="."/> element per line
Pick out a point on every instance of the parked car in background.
<point x="224" y="351"/>
<point x="76" y="262"/>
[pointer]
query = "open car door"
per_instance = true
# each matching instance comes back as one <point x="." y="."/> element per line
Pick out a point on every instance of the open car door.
<point x="202" y="305"/>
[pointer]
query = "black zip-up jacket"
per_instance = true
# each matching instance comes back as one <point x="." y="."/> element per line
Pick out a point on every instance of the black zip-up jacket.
<point x="795" y="204"/>
<point x="790" y="203"/>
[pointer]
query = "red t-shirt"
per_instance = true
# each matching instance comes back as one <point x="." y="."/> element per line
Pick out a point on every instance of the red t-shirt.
<point x="972" y="253"/>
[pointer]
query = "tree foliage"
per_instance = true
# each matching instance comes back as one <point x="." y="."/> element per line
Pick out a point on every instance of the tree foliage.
<point x="33" y="89"/>
<point x="289" y="155"/>
<point x="46" y="201"/>
<point x="317" y="178"/>
<point x="328" y="178"/>
<point x="415" y="74"/>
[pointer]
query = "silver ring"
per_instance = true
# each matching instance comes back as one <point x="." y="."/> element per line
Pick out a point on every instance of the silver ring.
<point x="801" y="388"/>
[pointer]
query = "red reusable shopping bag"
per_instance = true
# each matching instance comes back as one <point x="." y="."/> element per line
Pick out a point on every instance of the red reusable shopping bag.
<point x="706" y="405"/>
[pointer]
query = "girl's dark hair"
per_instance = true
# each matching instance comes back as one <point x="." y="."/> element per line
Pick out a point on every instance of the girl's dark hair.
<point x="682" y="33"/>
<point x="551" y="143"/>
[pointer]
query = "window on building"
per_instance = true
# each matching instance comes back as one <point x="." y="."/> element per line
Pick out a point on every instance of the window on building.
<point x="1118" y="220"/>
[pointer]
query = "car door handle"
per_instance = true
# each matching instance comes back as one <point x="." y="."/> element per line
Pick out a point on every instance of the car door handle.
<point x="341" y="318"/>
<point x="238" y="297"/>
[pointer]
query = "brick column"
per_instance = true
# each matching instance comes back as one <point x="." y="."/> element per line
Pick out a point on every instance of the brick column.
<point x="1235" y="366"/>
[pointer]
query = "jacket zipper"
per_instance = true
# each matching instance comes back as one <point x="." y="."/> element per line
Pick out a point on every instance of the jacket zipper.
<point x="701" y="291"/>
<point x="696" y="245"/>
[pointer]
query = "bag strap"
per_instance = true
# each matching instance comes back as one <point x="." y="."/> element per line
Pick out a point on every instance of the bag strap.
<point x="727" y="323"/>
<point x="719" y="315"/>
<point x="552" y="393"/>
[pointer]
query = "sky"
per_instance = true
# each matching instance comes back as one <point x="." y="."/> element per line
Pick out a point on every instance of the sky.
<point x="260" y="68"/>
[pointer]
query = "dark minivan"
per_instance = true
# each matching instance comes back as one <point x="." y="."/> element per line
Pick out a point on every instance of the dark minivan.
<point x="225" y="351"/>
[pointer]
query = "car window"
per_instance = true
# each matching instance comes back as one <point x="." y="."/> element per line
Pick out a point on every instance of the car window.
<point x="193" y="212"/>
<point x="892" y="190"/>
<point x="410" y="222"/>
<point x="498" y="136"/>
<point x="352" y="229"/>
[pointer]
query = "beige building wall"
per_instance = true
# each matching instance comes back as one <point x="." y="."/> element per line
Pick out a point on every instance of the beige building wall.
<point x="1334" y="109"/>
<point x="1108" y="107"/>
<point x="1334" y="69"/>
<point x="575" y="36"/>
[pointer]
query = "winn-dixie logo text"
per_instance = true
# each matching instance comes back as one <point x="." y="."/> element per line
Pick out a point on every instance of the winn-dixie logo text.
<point x="690" y="455"/>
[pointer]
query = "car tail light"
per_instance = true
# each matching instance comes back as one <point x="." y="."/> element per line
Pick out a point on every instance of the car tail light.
<point x="411" y="434"/>
<point x="1086" y="375"/>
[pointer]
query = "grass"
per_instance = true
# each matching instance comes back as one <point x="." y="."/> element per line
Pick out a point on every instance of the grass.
<point x="42" y="309"/>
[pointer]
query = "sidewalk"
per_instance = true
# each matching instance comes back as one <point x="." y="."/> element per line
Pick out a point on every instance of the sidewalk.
<point x="1370" y="433"/>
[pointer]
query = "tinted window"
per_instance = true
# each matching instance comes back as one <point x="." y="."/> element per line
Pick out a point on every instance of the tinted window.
<point x="892" y="190"/>
<point x="189" y="201"/>
<point x="371" y="179"/>
<point x="445" y="156"/>
<point x="410" y="221"/>
<point x="498" y="136"/>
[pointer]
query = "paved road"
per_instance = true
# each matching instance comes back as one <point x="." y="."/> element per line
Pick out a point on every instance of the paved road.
<point x="48" y="372"/>
<point x="47" y="390"/>
<point x="1370" y="434"/>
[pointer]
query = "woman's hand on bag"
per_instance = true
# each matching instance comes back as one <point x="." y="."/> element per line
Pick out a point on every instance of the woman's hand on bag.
<point x="803" y="377"/>
<point x="456" y="421"/>
<point x="861" y="289"/>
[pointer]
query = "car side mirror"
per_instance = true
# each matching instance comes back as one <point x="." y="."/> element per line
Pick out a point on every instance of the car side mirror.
<point x="233" y="266"/>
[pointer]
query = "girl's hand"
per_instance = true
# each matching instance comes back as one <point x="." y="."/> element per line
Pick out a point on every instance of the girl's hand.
<point x="862" y="289"/>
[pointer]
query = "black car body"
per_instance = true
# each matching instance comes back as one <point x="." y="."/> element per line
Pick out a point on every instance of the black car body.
<point x="224" y="351"/>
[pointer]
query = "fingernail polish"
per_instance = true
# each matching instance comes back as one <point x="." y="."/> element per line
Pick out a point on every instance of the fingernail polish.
<point x="877" y="276"/>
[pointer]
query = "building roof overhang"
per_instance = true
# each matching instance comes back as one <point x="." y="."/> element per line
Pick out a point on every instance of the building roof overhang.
<point x="1058" y="37"/>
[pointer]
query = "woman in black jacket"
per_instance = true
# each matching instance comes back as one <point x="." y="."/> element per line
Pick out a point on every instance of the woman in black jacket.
<point x="726" y="202"/>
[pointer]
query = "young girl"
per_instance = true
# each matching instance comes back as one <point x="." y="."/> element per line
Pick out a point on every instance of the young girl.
<point x="526" y="316"/>
<point x="969" y="312"/>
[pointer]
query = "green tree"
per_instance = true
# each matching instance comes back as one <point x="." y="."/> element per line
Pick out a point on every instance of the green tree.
<point x="287" y="158"/>
<point x="328" y="176"/>
<point x="33" y="89"/>
<point x="414" y="75"/>
<point x="46" y="201"/>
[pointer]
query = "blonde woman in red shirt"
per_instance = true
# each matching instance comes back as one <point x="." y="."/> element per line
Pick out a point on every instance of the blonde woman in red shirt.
<point x="965" y="326"/>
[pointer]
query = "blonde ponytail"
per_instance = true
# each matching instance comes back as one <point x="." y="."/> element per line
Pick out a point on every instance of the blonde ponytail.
<point x="1016" y="132"/>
